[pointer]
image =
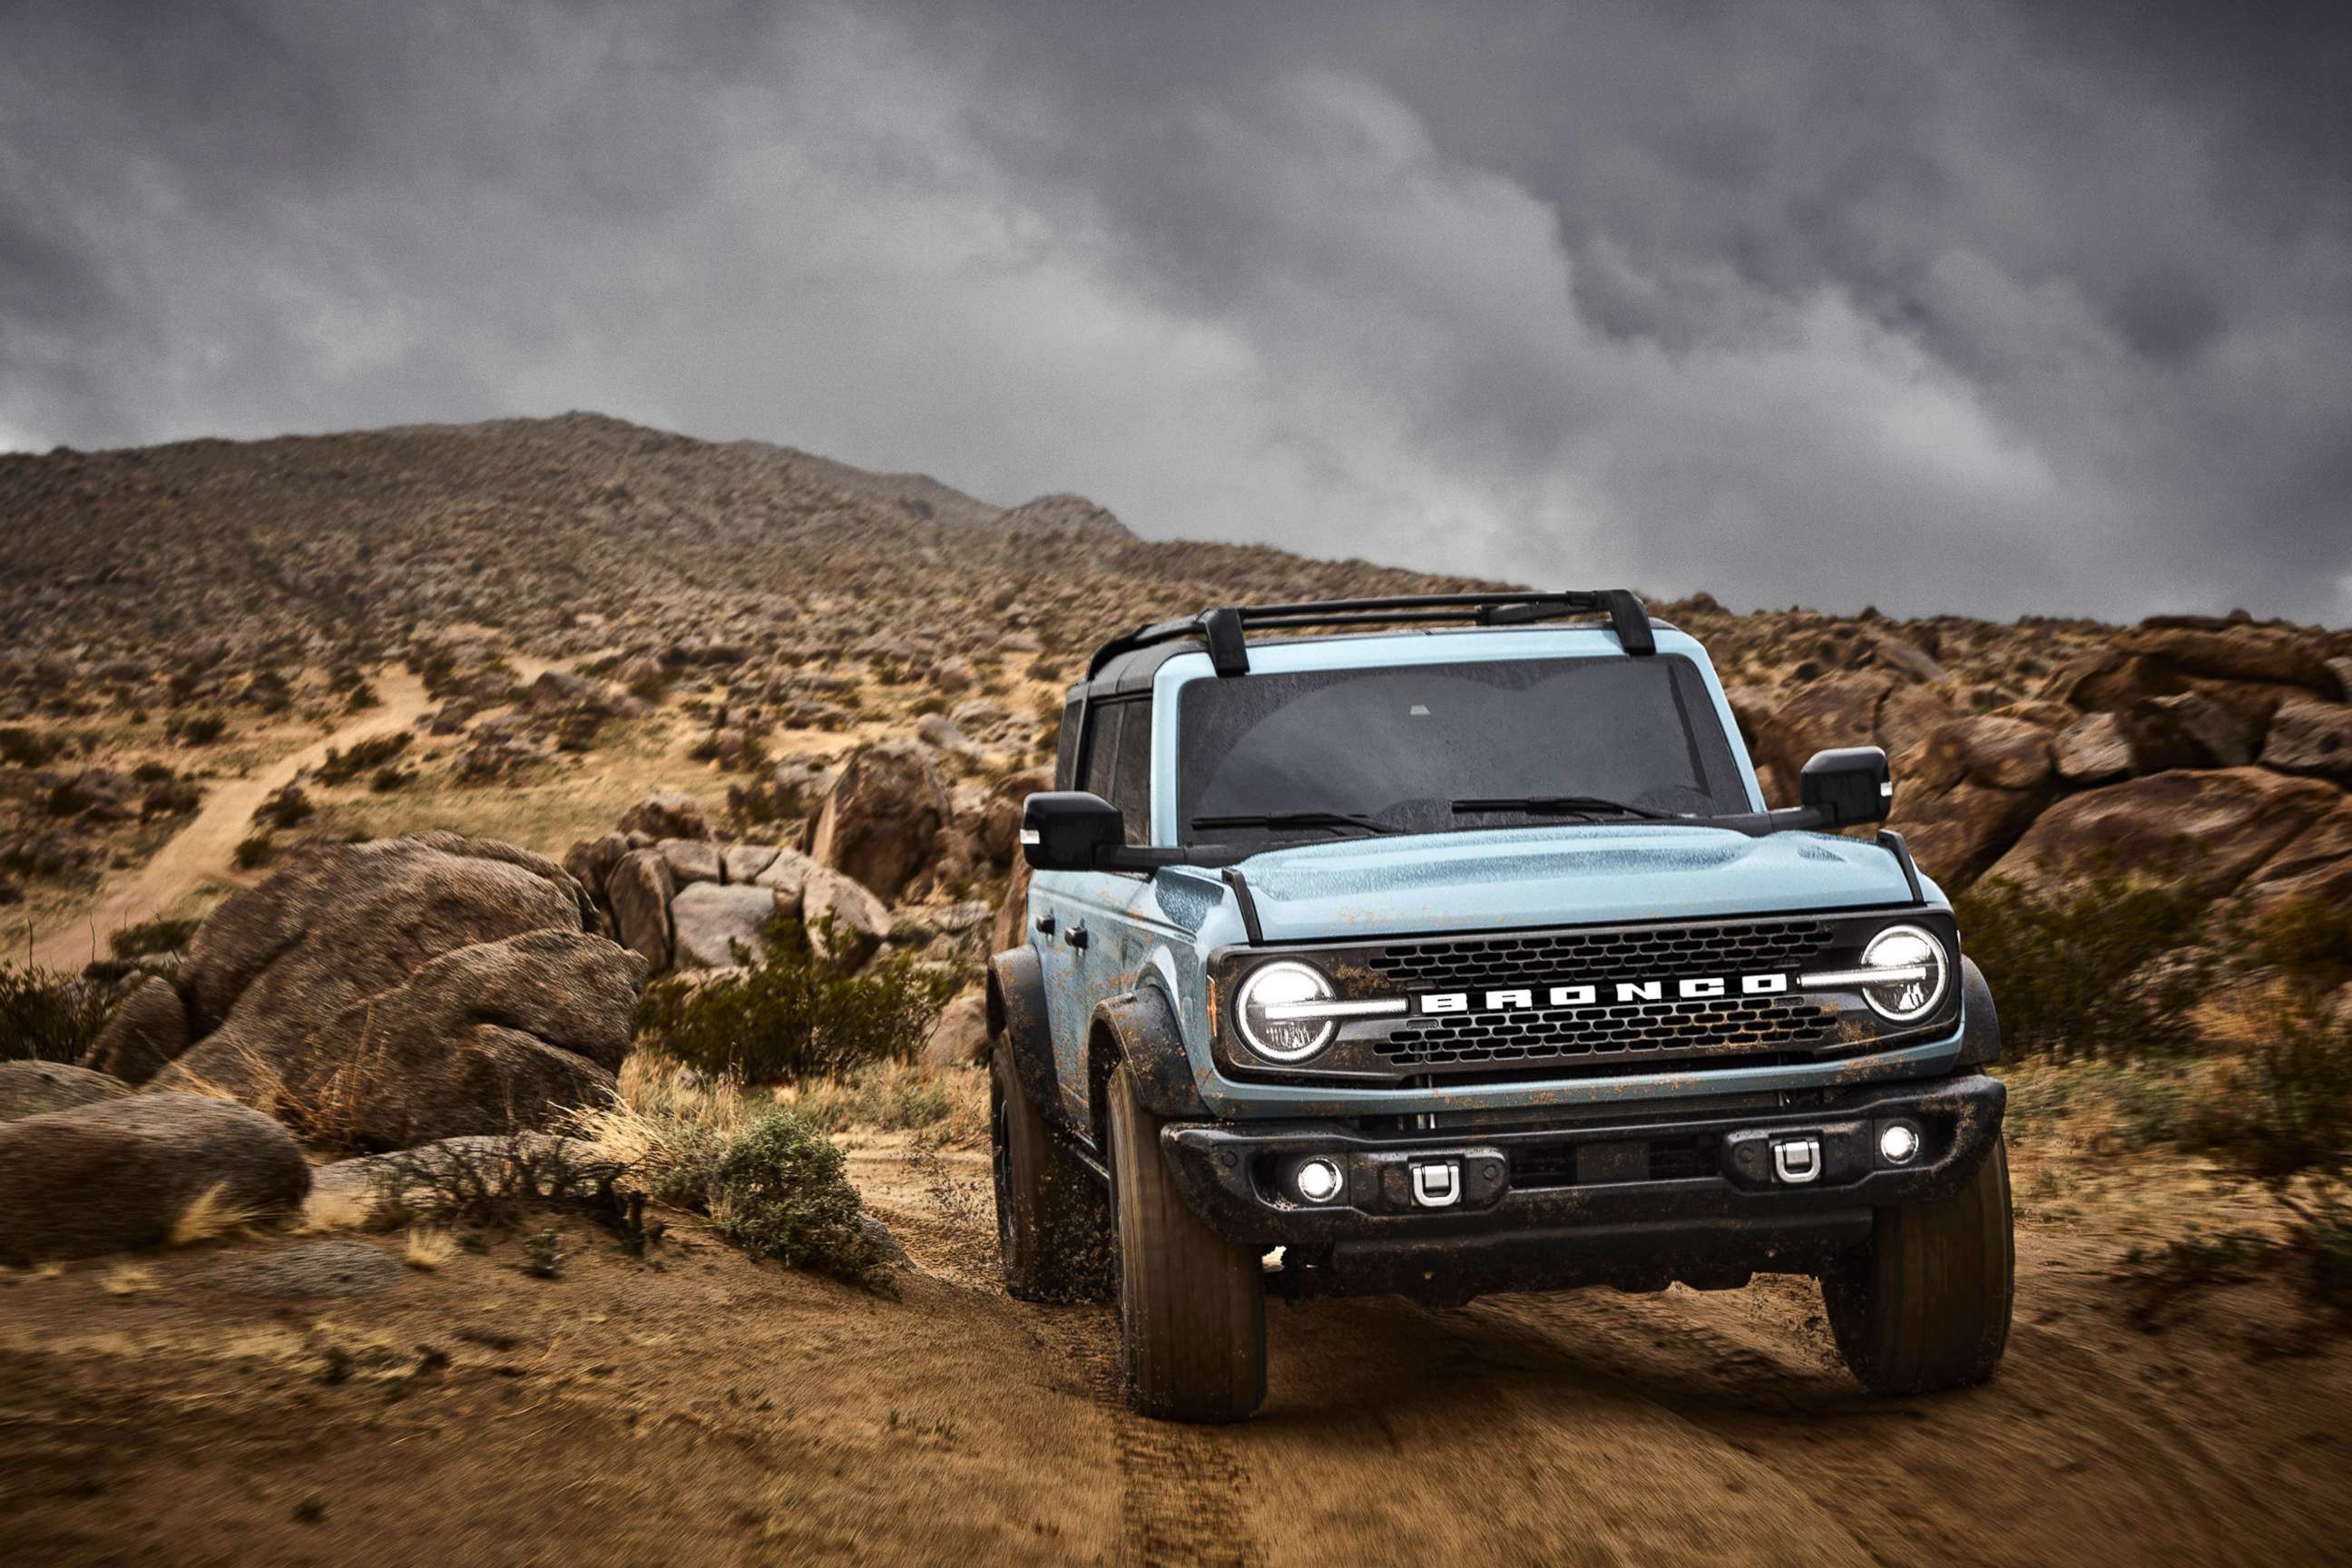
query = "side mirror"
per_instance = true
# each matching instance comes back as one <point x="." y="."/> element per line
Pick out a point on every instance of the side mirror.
<point x="1848" y="786"/>
<point x="1070" y="830"/>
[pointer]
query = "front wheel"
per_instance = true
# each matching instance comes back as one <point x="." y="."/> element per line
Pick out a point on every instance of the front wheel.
<point x="1052" y="1232"/>
<point x="1926" y="1305"/>
<point x="1191" y="1305"/>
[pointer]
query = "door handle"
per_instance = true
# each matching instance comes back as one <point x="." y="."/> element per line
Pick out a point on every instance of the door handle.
<point x="1044" y="925"/>
<point x="1075" y="936"/>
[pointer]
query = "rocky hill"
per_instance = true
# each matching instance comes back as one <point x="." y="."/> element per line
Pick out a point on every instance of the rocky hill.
<point x="768" y="589"/>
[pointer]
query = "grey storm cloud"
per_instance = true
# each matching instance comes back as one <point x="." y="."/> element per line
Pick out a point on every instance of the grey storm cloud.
<point x="2000" y="309"/>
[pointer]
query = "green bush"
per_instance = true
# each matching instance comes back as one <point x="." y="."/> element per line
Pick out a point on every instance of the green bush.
<point x="48" y="1017"/>
<point x="777" y="1190"/>
<point x="2308" y="941"/>
<point x="158" y="935"/>
<point x="792" y="1016"/>
<point x="2104" y="969"/>
<point x="365" y="756"/>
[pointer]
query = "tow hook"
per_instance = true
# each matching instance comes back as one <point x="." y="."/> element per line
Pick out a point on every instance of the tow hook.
<point x="1797" y="1161"/>
<point x="1436" y="1184"/>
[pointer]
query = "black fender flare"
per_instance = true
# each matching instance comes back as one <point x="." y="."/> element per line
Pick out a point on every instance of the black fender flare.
<point x="1018" y="1021"/>
<point x="1981" y="1021"/>
<point x="1141" y="1028"/>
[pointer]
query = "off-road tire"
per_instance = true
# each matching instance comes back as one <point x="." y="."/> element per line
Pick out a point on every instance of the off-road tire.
<point x="1191" y="1305"/>
<point x="1052" y="1220"/>
<point x="1927" y="1306"/>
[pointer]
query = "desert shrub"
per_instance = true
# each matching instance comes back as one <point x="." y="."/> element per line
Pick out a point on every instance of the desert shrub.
<point x="2308" y="941"/>
<point x="48" y="1017"/>
<point x="256" y="850"/>
<point x="924" y="706"/>
<point x="899" y="1097"/>
<point x="342" y="767"/>
<point x="287" y="808"/>
<point x="197" y="729"/>
<point x="792" y="1016"/>
<point x="154" y="772"/>
<point x="652" y="684"/>
<point x="2103" y="969"/>
<point x="383" y="780"/>
<point x="26" y="747"/>
<point x="778" y="1190"/>
<point x="158" y="935"/>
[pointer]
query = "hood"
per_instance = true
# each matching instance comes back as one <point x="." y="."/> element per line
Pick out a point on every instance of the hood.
<point x="1560" y="875"/>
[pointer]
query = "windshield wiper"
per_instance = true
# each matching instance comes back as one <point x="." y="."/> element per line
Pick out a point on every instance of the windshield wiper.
<point x="1335" y="821"/>
<point x="1561" y="806"/>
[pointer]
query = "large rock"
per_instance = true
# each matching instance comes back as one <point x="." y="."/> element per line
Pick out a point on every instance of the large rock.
<point x="2316" y="864"/>
<point x="35" y="1088"/>
<point x="744" y="862"/>
<point x="339" y="924"/>
<point x="147" y="1029"/>
<point x="787" y="876"/>
<point x="2310" y="737"/>
<point x="119" y="1174"/>
<point x="1849" y="708"/>
<point x="592" y="861"/>
<point x="961" y="1037"/>
<point x="1012" y="927"/>
<point x="691" y="860"/>
<point x="640" y="890"/>
<point x="2189" y="731"/>
<point x="2242" y="654"/>
<point x="2109" y="678"/>
<point x="999" y="827"/>
<point x="709" y="920"/>
<point x="2202" y="831"/>
<point x="880" y="823"/>
<point x="2094" y="752"/>
<point x="668" y="815"/>
<point x="845" y="921"/>
<point x="1966" y="792"/>
<point x="489" y="1037"/>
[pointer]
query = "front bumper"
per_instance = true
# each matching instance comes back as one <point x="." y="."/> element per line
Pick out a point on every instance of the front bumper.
<point x="1707" y="1199"/>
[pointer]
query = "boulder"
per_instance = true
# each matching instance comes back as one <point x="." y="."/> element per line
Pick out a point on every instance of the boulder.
<point x="2205" y="832"/>
<point x="2187" y="730"/>
<point x="146" y="1030"/>
<point x="592" y="861"/>
<point x="2109" y="678"/>
<point x="744" y="862"/>
<point x="961" y="1037"/>
<point x="691" y="860"/>
<point x="1966" y="791"/>
<point x="2093" y="751"/>
<point x="482" y="1039"/>
<point x="2316" y="864"/>
<point x="119" y="1174"/>
<point x="2240" y="654"/>
<point x="787" y="876"/>
<point x="939" y="730"/>
<point x="639" y="890"/>
<point x="35" y="1088"/>
<point x="845" y="921"/>
<point x="880" y="821"/>
<point x="2311" y="737"/>
<point x="1012" y="927"/>
<point x="998" y="828"/>
<point x="1835" y="710"/>
<point x="339" y="924"/>
<point x="708" y="921"/>
<point x="666" y="816"/>
<point x="1999" y="753"/>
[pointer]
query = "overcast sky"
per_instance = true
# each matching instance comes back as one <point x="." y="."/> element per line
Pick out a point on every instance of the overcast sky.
<point x="1936" y="306"/>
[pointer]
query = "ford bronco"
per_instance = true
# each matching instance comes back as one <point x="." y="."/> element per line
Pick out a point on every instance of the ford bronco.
<point x="1445" y="945"/>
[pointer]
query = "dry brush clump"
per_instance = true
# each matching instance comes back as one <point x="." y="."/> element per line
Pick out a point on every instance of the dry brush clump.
<point x="49" y="1018"/>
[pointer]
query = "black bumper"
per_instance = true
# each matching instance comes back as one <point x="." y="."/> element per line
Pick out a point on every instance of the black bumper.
<point x="1638" y="1202"/>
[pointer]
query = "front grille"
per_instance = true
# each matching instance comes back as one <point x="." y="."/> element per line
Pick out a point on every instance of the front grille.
<point x="1497" y="962"/>
<point x="1630" y="1033"/>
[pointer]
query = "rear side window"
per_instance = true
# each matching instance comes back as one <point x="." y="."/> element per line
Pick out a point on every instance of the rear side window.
<point x="1130" y="781"/>
<point x="1103" y="723"/>
<point x="1065" y="748"/>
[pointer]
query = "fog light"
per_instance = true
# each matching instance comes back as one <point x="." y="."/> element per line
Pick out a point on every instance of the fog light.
<point x="1318" y="1181"/>
<point x="1898" y="1142"/>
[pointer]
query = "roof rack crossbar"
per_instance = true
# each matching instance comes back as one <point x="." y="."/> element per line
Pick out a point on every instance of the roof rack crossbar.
<point x="1224" y="628"/>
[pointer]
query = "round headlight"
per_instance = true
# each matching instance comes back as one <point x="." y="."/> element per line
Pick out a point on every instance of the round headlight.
<point x="1268" y="1007"/>
<point x="1915" y="973"/>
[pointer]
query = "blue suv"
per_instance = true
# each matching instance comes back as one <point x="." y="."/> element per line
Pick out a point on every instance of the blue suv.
<point x="1445" y="945"/>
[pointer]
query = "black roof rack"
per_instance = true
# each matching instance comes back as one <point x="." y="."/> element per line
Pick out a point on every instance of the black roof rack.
<point x="1225" y="629"/>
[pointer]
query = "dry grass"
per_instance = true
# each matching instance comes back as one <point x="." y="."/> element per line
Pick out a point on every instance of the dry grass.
<point x="427" y="1247"/>
<point x="331" y="1211"/>
<point x="660" y="1111"/>
<point x="210" y="1216"/>
<point x="127" y="1279"/>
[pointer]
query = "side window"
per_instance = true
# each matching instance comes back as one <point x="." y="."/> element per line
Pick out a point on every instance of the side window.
<point x="1131" y="783"/>
<point x="1065" y="749"/>
<point x="1102" y="746"/>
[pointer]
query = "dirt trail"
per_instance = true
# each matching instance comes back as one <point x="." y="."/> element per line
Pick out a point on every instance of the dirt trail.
<point x="706" y="1409"/>
<point x="205" y="847"/>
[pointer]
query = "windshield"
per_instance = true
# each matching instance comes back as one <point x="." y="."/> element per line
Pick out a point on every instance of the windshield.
<point x="1433" y="748"/>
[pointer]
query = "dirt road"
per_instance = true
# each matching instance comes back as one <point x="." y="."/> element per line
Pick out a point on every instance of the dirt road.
<point x="710" y="1410"/>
